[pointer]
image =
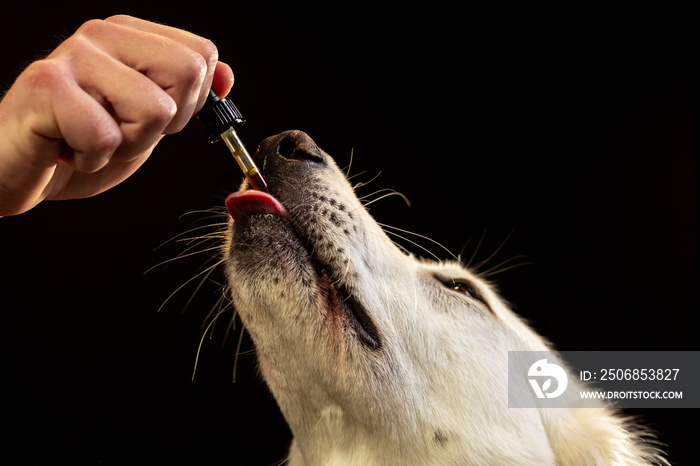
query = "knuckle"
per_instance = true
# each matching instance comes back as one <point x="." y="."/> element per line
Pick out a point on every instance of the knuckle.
<point x="83" y="42"/>
<point x="152" y="120"/>
<point x="119" y="19"/>
<point x="199" y="61"/>
<point x="162" y="111"/>
<point x="44" y="73"/>
<point x="104" y="144"/>
<point x="92" y="27"/>
<point x="196" y="67"/>
<point x="188" y="75"/>
<point x="209" y="51"/>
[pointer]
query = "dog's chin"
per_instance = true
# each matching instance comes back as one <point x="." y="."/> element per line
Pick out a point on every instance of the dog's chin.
<point x="263" y="241"/>
<point x="271" y="251"/>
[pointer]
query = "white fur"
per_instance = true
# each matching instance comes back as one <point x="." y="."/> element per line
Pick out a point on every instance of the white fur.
<point x="435" y="392"/>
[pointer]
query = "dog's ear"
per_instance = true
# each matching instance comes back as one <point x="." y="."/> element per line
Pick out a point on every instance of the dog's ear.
<point x="598" y="436"/>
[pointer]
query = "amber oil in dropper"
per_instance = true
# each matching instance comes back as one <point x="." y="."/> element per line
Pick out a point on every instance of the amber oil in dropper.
<point x="245" y="161"/>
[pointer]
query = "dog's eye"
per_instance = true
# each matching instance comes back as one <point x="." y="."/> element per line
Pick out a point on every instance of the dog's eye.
<point x="462" y="286"/>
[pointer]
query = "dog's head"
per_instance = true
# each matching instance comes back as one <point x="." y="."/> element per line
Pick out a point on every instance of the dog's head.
<point x="374" y="356"/>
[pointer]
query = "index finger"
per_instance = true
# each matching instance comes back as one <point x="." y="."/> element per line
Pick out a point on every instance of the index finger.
<point x="201" y="45"/>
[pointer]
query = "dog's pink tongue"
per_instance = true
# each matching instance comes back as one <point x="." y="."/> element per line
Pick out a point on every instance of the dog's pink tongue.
<point x="242" y="203"/>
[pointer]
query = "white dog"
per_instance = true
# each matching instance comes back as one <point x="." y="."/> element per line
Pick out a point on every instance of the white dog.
<point x="376" y="357"/>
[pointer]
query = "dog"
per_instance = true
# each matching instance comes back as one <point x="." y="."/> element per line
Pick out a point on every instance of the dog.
<point x="377" y="357"/>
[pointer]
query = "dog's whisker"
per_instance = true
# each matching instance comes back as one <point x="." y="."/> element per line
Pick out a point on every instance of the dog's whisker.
<point x="232" y="322"/>
<point x="195" y="241"/>
<point x="401" y="247"/>
<point x="362" y="198"/>
<point x="347" y="169"/>
<point x="496" y="269"/>
<point x="391" y="193"/>
<point x="183" y="256"/>
<point x="229" y="305"/>
<point x="360" y="184"/>
<point x="199" y="286"/>
<point x="175" y="238"/>
<point x="215" y="211"/>
<point x="238" y="353"/>
<point x="383" y="225"/>
<point x="204" y="335"/>
<point x="476" y="250"/>
<point x="186" y="283"/>
<point x="435" y="256"/>
<point x="493" y="254"/>
<point x="356" y="175"/>
<point x="505" y="269"/>
<point x="464" y="248"/>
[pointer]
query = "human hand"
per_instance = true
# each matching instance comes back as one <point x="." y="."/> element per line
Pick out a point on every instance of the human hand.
<point x="87" y="116"/>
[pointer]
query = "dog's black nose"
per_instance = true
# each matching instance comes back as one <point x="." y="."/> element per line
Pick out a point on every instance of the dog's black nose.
<point x="290" y="145"/>
<point x="297" y="145"/>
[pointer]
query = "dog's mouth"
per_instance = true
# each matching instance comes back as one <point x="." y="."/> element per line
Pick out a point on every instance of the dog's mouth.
<point x="250" y="202"/>
<point x="339" y="299"/>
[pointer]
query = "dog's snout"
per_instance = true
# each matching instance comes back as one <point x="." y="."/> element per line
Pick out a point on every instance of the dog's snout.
<point x="288" y="146"/>
<point x="289" y="155"/>
<point x="297" y="145"/>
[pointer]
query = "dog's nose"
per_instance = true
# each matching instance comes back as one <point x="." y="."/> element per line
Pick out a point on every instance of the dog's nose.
<point x="290" y="145"/>
<point x="297" y="145"/>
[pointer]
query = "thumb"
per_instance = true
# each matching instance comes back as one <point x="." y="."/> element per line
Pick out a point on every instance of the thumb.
<point x="223" y="79"/>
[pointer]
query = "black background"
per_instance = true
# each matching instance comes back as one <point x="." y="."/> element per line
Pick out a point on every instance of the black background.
<point x="574" y="130"/>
